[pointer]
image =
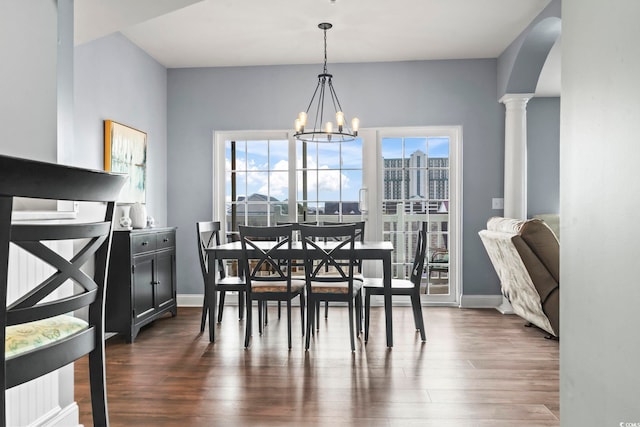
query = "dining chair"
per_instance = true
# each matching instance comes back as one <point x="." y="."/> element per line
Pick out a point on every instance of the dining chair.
<point x="357" y="275"/>
<point x="209" y="235"/>
<point x="267" y="277"/>
<point x="328" y="246"/>
<point x="38" y="325"/>
<point x="297" y="265"/>
<point x="410" y="287"/>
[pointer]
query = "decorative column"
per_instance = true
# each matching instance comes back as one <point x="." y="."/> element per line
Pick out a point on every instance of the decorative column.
<point x="515" y="163"/>
<point x="515" y="154"/>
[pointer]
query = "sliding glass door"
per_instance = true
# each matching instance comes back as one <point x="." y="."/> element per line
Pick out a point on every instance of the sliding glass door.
<point x="417" y="184"/>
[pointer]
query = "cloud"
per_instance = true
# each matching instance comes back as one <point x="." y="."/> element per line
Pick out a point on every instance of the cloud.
<point x="257" y="178"/>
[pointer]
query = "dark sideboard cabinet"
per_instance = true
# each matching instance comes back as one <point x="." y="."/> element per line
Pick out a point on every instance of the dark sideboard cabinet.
<point x="141" y="285"/>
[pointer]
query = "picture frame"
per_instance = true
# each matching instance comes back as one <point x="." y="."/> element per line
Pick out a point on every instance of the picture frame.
<point x="125" y="152"/>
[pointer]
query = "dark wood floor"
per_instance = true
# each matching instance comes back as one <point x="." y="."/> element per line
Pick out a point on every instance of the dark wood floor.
<point x="477" y="368"/>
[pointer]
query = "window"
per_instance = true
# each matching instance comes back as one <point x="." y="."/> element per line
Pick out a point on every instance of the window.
<point x="328" y="181"/>
<point x="403" y="177"/>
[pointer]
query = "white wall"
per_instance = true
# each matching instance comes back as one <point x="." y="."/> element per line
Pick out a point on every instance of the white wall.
<point x="600" y="206"/>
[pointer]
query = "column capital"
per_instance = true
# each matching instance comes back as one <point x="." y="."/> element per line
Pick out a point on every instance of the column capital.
<point x="515" y="100"/>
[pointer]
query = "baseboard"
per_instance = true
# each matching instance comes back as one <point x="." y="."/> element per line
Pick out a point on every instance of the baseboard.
<point x="467" y="301"/>
<point x="480" y="301"/>
<point x="191" y="300"/>
<point x="58" y="417"/>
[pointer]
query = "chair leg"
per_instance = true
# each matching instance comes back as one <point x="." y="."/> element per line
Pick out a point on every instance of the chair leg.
<point x="351" y="326"/>
<point x="261" y="312"/>
<point x="289" y="321"/>
<point x="266" y="313"/>
<point x="279" y="309"/>
<point x="417" y="315"/>
<point x="240" y="305"/>
<point x="326" y="309"/>
<point x="367" y="308"/>
<point x="97" y="380"/>
<point x="221" y="305"/>
<point x="359" y="312"/>
<point x="247" y="334"/>
<point x="205" y="309"/>
<point x="302" y="312"/>
<point x="318" y="314"/>
<point x="213" y="306"/>
<point x="310" y="321"/>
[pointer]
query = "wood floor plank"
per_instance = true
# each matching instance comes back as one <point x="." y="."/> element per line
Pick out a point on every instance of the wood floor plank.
<point x="477" y="368"/>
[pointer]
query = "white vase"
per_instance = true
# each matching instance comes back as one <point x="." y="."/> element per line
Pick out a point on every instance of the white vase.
<point x="138" y="215"/>
<point x="125" y="221"/>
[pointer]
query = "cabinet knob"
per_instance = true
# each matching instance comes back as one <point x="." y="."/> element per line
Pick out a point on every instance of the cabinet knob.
<point x="145" y="243"/>
<point x="165" y="240"/>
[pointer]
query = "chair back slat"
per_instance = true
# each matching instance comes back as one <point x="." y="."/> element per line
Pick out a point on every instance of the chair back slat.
<point x="360" y="225"/>
<point x="208" y="235"/>
<point x="40" y="180"/>
<point x="45" y="310"/>
<point x="64" y="270"/>
<point x="419" y="258"/>
<point x="265" y="264"/>
<point x="319" y="256"/>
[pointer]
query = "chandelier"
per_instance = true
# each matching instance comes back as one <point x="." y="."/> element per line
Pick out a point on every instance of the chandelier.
<point x="325" y="131"/>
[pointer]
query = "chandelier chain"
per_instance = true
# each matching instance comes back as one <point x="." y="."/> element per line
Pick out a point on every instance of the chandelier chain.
<point x="325" y="51"/>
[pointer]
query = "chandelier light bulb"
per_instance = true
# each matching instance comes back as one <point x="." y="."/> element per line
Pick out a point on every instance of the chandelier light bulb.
<point x="328" y="127"/>
<point x="355" y="125"/>
<point x="303" y="118"/>
<point x="340" y="119"/>
<point x="297" y="125"/>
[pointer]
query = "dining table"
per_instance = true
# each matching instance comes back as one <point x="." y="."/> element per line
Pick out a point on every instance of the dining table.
<point x="368" y="250"/>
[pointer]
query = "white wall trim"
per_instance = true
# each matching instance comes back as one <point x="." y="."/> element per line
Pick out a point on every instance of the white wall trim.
<point x="468" y="301"/>
<point x="480" y="301"/>
<point x="191" y="300"/>
<point x="67" y="416"/>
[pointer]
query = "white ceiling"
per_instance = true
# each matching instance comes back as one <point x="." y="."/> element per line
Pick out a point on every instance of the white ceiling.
<point x="214" y="33"/>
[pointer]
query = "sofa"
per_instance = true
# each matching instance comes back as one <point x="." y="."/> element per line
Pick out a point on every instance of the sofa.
<point x="526" y="257"/>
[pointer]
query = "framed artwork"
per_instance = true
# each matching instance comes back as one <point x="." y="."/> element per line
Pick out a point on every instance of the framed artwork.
<point x="125" y="152"/>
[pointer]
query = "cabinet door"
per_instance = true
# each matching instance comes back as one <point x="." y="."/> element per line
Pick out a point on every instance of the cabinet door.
<point x="142" y="282"/>
<point x="165" y="262"/>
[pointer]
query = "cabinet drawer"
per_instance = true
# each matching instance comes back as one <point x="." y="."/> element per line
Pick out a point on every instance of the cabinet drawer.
<point x="143" y="243"/>
<point x="166" y="240"/>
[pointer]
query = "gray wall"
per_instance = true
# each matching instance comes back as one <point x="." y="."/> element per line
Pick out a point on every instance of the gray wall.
<point x="28" y="78"/>
<point x="116" y="80"/>
<point x="422" y="93"/>
<point x="65" y="81"/>
<point x="599" y="269"/>
<point x="543" y="151"/>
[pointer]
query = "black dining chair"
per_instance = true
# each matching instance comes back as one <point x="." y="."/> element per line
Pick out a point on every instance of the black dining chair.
<point x="327" y="247"/>
<point x="410" y="287"/>
<point x="268" y="278"/>
<point x="209" y="235"/>
<point x="357" y="275"/>
<point x="38" y="325"/>
<point x="297" y="265"/>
